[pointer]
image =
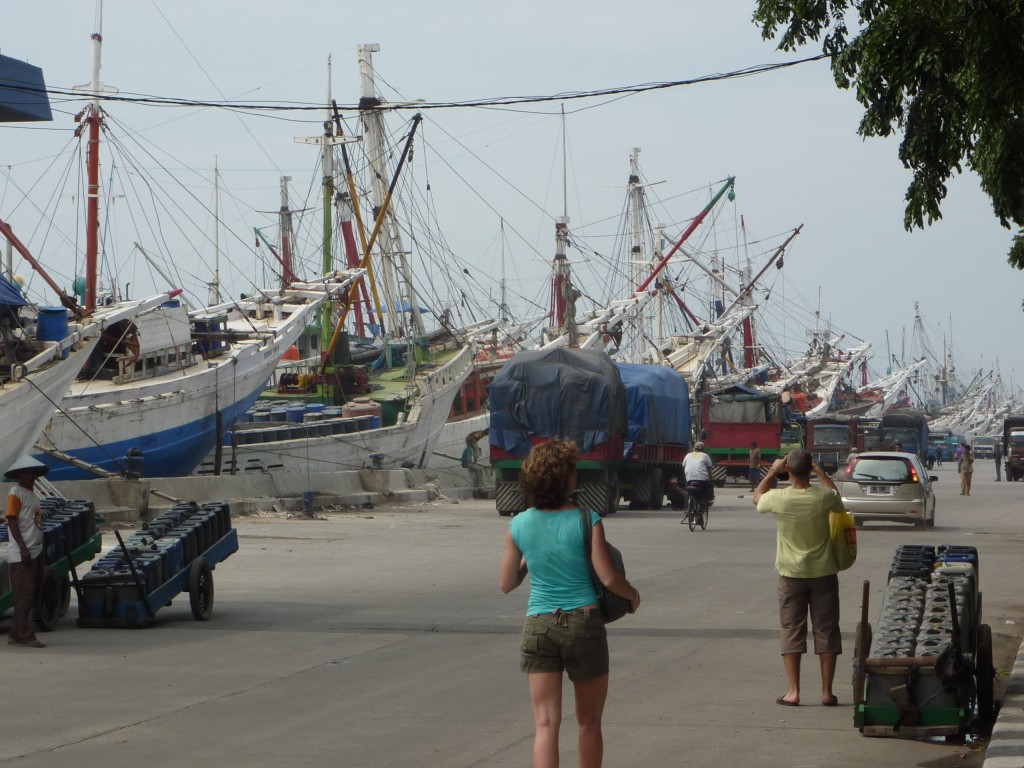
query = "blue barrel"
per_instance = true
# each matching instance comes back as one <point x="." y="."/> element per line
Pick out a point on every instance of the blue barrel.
<point x="315" y="407"/>
<point x="52" y="325"/>
<point x="278" y="414"/>
<point x="261" y="416"/>
<point x="294" y="413"/>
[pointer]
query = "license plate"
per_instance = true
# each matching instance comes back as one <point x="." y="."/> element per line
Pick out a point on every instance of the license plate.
<point x="880" y="490"/>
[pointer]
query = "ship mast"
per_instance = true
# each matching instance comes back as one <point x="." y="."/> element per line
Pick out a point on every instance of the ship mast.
<point x="636" y="265"/>
<point x="665" y="286"/>
<point x="397" y="275"/>
<point x="563" y="305"/>
<point x="749" y="340"/>
<point x="91" y="118"/>
<point x="213" y="294"/>
<point x="326" y="141"/>
<point x="285" y="215"/>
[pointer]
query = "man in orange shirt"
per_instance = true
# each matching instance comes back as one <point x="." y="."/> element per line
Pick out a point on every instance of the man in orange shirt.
<point x="25" y="547"/>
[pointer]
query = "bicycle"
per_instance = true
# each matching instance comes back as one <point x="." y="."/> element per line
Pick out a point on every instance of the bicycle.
<point x="697" y="508"/>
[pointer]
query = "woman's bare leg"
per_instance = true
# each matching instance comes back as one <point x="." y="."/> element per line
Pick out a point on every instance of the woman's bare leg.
<point x="590" y="698"/>
<point x="546" y="696"/>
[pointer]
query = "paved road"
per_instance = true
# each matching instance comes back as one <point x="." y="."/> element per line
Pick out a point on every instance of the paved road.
<point x="380" y="638"/>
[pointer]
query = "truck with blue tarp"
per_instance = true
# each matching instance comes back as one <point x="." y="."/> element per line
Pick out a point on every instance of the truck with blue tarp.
<point x="631" y="424"/>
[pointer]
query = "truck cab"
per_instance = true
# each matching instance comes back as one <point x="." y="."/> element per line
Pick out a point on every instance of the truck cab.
<point x="1013" y="447"/>
<point x="792" y="437"/>
<point x="829" y="445"/>
<point x="733" y="418"/>
<point x="908" y="428"/>
<point x="985" y="447"/>
<point x="937" y="442"/>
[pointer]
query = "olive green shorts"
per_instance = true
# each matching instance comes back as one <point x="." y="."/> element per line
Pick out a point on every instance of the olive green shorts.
<point x="572" y="641"/>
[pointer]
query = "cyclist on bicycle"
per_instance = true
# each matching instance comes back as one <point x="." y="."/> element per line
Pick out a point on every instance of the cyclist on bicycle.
<point x="697" y="470"/>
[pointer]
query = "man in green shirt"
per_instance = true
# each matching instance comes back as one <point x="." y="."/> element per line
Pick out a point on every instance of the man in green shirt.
<point x="808" y="580"/>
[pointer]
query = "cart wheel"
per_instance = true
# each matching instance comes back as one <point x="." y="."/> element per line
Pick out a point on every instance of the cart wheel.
<point x="65" y="596"/>
<point x="200" y="589"/>
<point x="984" y="674"/>
<point x="47" y="602"/>
<point x="858" y="675"/>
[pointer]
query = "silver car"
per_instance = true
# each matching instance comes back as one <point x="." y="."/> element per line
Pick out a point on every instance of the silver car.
<point x="888" y="486"/>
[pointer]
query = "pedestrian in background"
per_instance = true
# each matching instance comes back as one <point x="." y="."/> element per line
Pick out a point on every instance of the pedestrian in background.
<point x="808" y="580"/>
<point x="755" y="466"/>
<point x="966" y="471"/>
<point x="997" y="454"/>
<point x="25" y="548"/>
<point x="471" y="461"/>
<point x="564" y="630"/>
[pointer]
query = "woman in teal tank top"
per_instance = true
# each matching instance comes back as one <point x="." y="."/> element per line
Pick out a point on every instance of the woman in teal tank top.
<point x="564" y="631"/>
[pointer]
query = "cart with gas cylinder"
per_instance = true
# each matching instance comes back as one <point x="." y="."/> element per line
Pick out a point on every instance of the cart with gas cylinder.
<point x="173" y="553"/>
<point x="927" y="669"/>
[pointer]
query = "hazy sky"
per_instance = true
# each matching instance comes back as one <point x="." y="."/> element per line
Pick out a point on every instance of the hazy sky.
<point x="789" y="137"/>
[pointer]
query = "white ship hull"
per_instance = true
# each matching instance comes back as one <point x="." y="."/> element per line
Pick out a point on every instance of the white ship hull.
<point x="172" y="419"/>
<point x="410" y="443"/>
<point x="26" y="405"/>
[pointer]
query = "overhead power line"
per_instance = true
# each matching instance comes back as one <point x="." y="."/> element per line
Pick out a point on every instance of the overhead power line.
<point x="497" y="101"/>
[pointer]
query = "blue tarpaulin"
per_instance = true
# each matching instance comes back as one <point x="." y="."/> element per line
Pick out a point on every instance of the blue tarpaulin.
<point x="573" y="394"/>
<point x="10" y="296"/>
<point x="22" y="92"/>
<point x="658" y="404"/>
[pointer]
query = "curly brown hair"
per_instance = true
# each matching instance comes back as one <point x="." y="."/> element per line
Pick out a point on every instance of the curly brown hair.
<point x="546" y="473"/>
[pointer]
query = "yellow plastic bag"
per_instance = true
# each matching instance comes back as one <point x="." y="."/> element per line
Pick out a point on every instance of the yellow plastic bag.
<point x="843" y="532"/>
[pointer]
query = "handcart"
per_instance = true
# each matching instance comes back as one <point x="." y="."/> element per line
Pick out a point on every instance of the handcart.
<point x="70" y="539"/>
<point x="928" y="670"/>
<point x="177" y="552"/>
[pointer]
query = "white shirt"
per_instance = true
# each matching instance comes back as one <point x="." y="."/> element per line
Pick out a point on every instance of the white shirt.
<point x="27" y="504"/>
<point x="697" y="466"/>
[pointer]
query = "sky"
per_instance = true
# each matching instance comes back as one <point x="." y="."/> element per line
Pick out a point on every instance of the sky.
<point x="491" y="180"/>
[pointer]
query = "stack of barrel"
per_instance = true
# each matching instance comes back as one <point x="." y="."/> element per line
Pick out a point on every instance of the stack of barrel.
<point x="159" y="550"/>
<point x="917" y="617"/>
<point x="67" y="525"/>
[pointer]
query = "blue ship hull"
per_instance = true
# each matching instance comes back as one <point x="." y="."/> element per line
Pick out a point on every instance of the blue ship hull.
<point x="172" y="452"/>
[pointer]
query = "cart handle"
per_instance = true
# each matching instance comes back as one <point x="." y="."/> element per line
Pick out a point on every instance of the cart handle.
<point x="135" y="575"/>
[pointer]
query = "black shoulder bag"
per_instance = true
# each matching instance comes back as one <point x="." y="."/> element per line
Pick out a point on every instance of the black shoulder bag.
<point x="613" y="607"/>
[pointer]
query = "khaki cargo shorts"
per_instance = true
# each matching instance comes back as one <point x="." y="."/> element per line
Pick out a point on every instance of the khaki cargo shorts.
<point x="575" y="642"/>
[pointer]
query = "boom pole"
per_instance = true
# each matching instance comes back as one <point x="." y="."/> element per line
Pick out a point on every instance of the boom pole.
<point x="697" y="220"/>
<point x="353" y="291"/>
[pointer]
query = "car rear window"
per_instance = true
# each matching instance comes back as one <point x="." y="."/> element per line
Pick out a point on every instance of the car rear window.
<point x="893" y="470"/>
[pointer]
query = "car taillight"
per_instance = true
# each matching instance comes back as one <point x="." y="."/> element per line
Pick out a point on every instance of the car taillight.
<point x="849" y="470"/>
<point x="913" y="474"/>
